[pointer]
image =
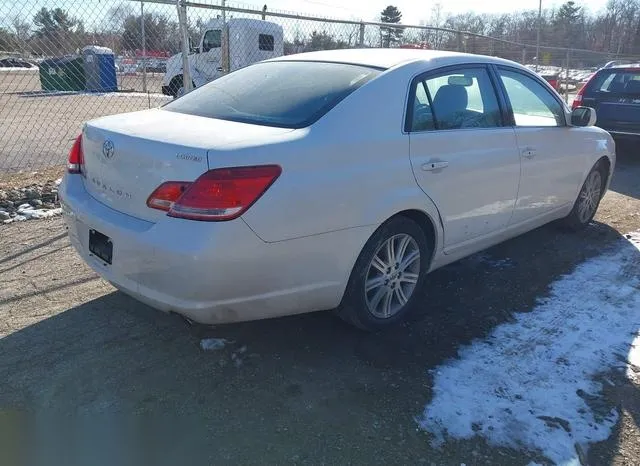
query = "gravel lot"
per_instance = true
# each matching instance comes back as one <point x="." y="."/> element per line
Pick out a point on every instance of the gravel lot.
<point x="37" y="130"/>
<point x="301" y="390"/>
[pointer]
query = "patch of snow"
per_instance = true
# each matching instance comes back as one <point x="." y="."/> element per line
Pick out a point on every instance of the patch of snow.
<point x="526" y="385"/>
<point x="633" y="368"/>
<point x="58" y="181"/>
<point x="29" y="212"/>
<point x="41" y="213"/>
<point x="155" y="95"/>
<point x="213" y="344"/>
<point x="18" y="68"/>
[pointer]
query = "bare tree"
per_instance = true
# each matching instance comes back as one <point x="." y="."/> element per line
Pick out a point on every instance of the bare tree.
<point x="22" y="31"/>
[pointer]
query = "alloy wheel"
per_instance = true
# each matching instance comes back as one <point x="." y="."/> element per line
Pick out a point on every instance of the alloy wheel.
<point x="392" y="276"/>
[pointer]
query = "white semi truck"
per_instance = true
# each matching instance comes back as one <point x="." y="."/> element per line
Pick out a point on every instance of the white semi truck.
<point x="246" y="41"/>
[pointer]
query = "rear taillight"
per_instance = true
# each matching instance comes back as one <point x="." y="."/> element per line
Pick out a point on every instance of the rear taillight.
<point x="220" y="194"/>
<point x="166" y="194"/>
<point x="577" y="101"/>
<point x="76" y="157"/>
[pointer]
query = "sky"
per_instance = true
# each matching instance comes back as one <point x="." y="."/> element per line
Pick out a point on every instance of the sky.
<point x="413" y="11"/>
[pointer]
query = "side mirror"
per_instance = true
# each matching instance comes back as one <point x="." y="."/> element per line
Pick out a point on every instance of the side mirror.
<point x="583" y="116"/>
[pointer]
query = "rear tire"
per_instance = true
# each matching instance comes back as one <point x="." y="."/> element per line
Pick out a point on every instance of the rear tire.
<point x="586" y="205"/>
<point x="387" y="280"/>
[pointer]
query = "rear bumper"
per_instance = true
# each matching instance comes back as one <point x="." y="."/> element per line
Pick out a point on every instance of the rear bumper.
<point x="210" y="272"/>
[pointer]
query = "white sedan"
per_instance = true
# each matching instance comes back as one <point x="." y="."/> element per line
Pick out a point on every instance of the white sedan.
<point x="328" y="180"/>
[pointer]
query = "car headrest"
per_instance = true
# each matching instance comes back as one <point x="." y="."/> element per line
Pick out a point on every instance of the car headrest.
<point x="449" y="99"/>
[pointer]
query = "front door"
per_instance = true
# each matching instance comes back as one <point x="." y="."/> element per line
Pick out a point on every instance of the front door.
<point x="550" y="150"/>
<point x="463" y="156"/>
<point x="207" y="62"/>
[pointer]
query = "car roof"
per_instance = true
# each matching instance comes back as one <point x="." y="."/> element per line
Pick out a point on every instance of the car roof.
<point x="630" y="67"/>
<point x="389" y="58"/>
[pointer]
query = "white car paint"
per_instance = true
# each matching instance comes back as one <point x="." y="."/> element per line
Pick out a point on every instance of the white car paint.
<point x="342" y="177"/>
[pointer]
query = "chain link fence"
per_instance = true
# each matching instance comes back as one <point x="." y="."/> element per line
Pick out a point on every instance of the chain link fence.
<point x="76" y="61"/>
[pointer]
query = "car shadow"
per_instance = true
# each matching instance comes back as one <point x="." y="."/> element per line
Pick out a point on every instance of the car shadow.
<point x="625" y="179"/>
<point x="305" y="389"/>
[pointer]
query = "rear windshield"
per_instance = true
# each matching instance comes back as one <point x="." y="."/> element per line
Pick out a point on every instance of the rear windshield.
<point x="625" y="82"/>
<point x="284" y="94"/>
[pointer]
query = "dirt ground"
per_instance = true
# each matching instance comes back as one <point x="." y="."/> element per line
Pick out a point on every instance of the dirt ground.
<point x="91" y="376"/>
<point x="37" y="130"/>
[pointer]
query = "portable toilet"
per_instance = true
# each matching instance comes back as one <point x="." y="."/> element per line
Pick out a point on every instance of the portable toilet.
<point x="99" y="69"/>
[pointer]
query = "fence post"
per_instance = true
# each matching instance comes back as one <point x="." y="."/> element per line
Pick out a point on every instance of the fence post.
<point x="566" y="77"/>
<point x="225" y="40"/>
<point x="144" y="48"/>
<point x="361" y="36"/>
<point x="184" y="43"/>
<point x="524" y="55"/>
<point x="264" y="12"/>
<point x="459" y="42"/>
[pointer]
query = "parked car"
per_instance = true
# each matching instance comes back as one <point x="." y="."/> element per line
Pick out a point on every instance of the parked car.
<point x="553" y="79"/>
<point x="328" y="180"/>
<point x="614" y="91"/>
<point x="12" y="62"/>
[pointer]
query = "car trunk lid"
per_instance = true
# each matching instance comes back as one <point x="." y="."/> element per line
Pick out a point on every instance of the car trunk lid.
<point x="621" y="113"/>
<point x="126" y="157"/>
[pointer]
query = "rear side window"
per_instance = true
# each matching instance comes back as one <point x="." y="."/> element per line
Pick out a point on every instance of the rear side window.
<point x="463" y="98"/>
<point x="287" y="94"/>
<point x="265" y="42"/>
<point x="626" y="82"/>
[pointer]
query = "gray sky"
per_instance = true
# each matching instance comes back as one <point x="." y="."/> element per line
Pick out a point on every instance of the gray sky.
<point x="413" y="11"/>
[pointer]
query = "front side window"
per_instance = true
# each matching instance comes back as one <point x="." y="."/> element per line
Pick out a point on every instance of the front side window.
<point x="212" y="40"/>
<point x="288" y="94"/>
<point x="459" y="99"/>
<point x="532" y="103"/>
<point x="265" y="42"/>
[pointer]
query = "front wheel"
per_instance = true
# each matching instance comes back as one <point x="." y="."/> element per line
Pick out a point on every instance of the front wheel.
<point x="176" y="86"/>
<point x="388" y="276"/>
<point x="586" y="205"/>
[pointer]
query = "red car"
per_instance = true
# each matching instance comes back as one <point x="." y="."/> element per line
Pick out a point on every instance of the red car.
<point x="553" y="79"/>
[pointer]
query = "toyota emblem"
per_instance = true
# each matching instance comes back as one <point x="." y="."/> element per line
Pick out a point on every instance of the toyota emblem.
<point x="107" y="150"/>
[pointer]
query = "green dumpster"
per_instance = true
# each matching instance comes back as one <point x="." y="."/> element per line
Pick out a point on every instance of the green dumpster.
<point x="63" y="74"/>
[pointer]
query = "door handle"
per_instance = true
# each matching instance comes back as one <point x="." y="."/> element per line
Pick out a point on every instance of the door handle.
<point x="529" y="152"/>
<point x="433" y="166"/>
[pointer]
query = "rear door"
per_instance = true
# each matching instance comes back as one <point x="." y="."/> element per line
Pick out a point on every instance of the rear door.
<point x="552" y="153"/>
<point x="463" y="156"/>
<point x="615" y="94"/>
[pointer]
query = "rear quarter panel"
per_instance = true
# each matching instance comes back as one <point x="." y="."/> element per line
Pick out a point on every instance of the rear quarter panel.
<point x="350" y="169"/>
